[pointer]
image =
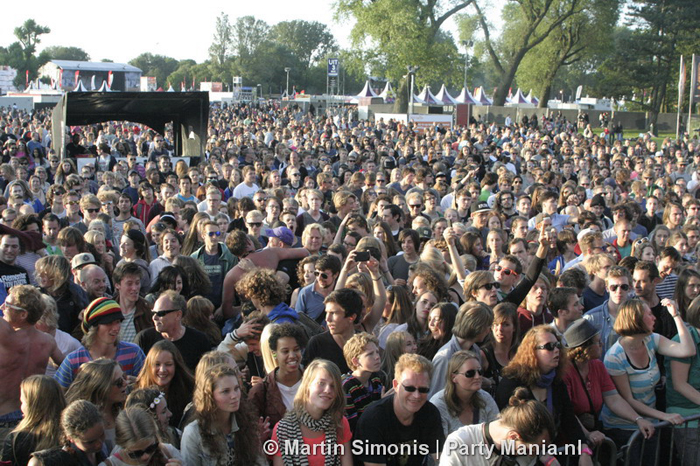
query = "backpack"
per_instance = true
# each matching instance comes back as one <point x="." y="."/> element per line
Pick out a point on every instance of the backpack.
<point x="311" y="327"/>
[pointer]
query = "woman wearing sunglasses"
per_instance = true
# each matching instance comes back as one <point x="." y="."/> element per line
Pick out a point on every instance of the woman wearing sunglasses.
<point x="102" y="383"/>
<point x="139" y="442"/>
<point x="463" y="402"/>
<point x="540" y="365"/>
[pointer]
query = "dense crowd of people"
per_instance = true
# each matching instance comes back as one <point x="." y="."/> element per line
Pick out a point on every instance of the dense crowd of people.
<point x="317" y="289"/>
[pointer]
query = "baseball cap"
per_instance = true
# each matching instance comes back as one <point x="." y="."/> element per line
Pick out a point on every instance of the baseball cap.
<point x="284" y="234"/>
<point x="481" y="206"/>
<point x="81" y="260"/>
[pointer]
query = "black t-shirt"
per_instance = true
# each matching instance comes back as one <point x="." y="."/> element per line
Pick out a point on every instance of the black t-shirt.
<point x="214" y="269"/>
<point x="324" y="346"/>
<point x="11" y="275"/>
<point x="192" y="345"/>
<point x="379" y="427"/>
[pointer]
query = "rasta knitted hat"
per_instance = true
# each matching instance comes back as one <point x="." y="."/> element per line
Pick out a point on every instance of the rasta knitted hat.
<point x="101" y="311"/>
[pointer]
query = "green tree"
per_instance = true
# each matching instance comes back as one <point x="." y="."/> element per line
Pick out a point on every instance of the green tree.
<point x="396" y="33"/>
<point x="528" y="24"/>
<point x="579" y="38"/>
<point x="647" y="51"/>
<point x="309" y="41"/>
<point x="220" y="48"/>
<point x="58" y="52"/>
<point x="21" y="55"/>
<point x="158" y="66"/>
<point x="28" y="35"/>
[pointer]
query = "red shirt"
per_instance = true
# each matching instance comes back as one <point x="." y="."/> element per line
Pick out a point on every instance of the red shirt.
<point x="527" y="319"/>
<point x="598" y="382"/>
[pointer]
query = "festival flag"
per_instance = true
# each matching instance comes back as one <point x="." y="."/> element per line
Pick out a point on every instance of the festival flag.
<point x="681" y="90"/>
<point x="26" y="79"/>
<point x="110" y="77"/>
<point x="60" y="79"/>
<point x="92" y="83"/>
<point x="77" y="76"/>
<point x="193" y="83"/>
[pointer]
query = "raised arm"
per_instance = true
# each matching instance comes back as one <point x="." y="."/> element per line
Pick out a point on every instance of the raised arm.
<point x="457" y="265"/>
<point x="684" y="348"/>
<point x="372" y="318"/>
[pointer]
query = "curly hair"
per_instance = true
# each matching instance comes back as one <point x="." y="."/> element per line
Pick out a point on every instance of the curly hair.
<point x="524" y="366"/>
<point x="300" y="267"/>
<point x="357" y="345"/>
<point x="247" y="438"/>
<point x="262" y="285"/>
<point x="433" y="280"/>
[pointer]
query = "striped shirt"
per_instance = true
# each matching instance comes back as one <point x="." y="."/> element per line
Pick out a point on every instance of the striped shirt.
<point x="129" y="356"/>
<point x="642" y="380"/>
<point x="358" y="397"/>
<point x="666" y="288"/>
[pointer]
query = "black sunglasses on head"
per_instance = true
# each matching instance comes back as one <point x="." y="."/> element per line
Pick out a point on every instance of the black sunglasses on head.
<point x="137" y="454"/>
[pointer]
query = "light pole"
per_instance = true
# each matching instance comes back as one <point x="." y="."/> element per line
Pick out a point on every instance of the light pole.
<point x="287" y="70"/>
<point x="411" y="79"/>
<point x="259" y="90"/>
<point x="467" y="44"/>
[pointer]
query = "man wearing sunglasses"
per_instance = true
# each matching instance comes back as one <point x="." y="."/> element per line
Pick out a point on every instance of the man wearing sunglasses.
<point x="216" y="259"/>
<point x="168" y="312"/>
<point x="311" y="297"/>
<point x="403" y="419"/>
<point x="24" y="350"/>
<point x="618" y="283"/>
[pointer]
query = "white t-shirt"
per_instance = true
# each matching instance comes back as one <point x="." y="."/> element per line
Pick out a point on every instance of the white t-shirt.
<point x="288" y="393"/>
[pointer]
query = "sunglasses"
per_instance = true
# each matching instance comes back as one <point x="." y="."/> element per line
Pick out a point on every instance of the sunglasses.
<point x="164" y="312"/>
<point x="119" y="383"/>
<point x="491" y="286"/>
<point x="411" y="389"/>
<point x="549" y="346"/>
<point x="136" y="454"/>
<point x="623" y="287"/>
<point x="417" y="206"/>
<point x="93" y="211"/>
<point x="255" y="224"/>
<point x="212" y="234"/>
<point x="506" y="270"/>
<point x="471" y="373"/>
<point x="323" y="275"/>
<point x="73" y="202"/>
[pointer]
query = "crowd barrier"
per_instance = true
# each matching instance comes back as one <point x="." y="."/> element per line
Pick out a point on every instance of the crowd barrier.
<point x="673" y="445"/>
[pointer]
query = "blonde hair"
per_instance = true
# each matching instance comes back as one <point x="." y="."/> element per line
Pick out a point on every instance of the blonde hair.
<point x="50" y="316"/>
<point x="413" y="362"/>
<point x="630" y="319"/>
<point x="310" y="228"/>
<point x="337" y="407"/>
<point x="93" y="383"/>
<point x="357" y="345"/>
<point x="268" y="360"/>
<point x="57" y="268"/>
<point x="44" y="399"/>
